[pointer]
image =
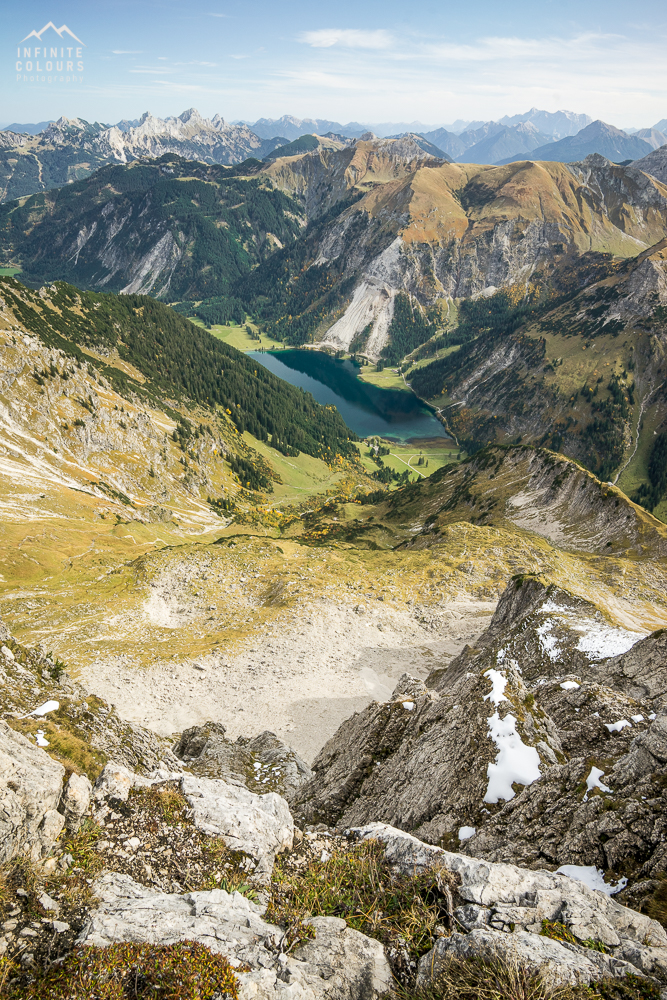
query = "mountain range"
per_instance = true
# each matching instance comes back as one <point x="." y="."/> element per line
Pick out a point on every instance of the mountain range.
<point x="366" y="245"/>
<point x="271" y="729"/>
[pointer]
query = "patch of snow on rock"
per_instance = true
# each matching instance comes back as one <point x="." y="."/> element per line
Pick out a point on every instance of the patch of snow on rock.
<point x="466" y="832"/>
<point x="593" y="781"/>
<point x="498" y="685"/>
<point x="600" y="640"/>
<point x="48" y="706"/>
<point x="515" y="760"/>
<point x="592" y="877"/>
<point x="615" y="727"/>
<point x="570" y="685"/>
<point x="548" y="642"/>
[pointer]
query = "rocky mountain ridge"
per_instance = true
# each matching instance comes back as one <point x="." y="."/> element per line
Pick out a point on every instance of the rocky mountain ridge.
<point x="70" y="148"/>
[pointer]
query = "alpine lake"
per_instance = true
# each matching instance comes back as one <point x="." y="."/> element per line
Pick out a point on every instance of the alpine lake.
<point x="395" y="416"/>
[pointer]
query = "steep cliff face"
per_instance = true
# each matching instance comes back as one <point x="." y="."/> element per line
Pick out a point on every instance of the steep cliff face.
<point x="460" y="230"/>
<point x="586" y="377"/>
<point x="175" y="230"/>
<point x="521" y="748"/>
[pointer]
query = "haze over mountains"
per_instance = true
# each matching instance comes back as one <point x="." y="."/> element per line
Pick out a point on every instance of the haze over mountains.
<point x="36" y="157"/>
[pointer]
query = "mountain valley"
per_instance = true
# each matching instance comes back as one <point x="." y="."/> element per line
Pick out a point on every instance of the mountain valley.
<point x="279" y="721"/>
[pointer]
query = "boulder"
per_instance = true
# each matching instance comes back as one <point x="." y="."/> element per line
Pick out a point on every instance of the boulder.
<point x="114" y="782"/>
<point x="560" y="963"/>
<point x="259" y="825"/>
<point x="339" y="964"/>
<point x="75" y="800"/>
<point x="262" y="763"/>
<point x="30" y="790"/>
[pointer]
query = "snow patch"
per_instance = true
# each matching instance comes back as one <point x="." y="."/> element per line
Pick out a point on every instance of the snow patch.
<point x="498" y="685"/>
<point x="39" y="736"/>
<point x="409" y="706"/>
<point x="570" y="685"/>
<point x="515" y="760"/>
<point x="466" y="832"/>
<point x="615" y="727"/>
<point x="549" y="643"/>
<point x="48" y="706"/>
<point x="592" y="877"/>
<point x="600" y="640"/>
<point x="593" y="781"/>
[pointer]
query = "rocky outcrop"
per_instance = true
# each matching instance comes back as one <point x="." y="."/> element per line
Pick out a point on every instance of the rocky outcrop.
<point x="30" y="790"/>
<point x="70" y="148"/>
<point x="521" y="749"/>
<point x="503" y="907"/>
<point x="262" y="763"/>
<point x="259" y="825"/>
<point x="339" y="964"/>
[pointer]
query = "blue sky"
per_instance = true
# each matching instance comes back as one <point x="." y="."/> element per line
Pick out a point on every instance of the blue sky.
<point x="372" y="62"/>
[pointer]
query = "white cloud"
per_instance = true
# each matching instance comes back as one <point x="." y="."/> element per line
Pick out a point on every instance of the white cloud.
<point x="349" y="38"/>
<point x="127" y="52"/>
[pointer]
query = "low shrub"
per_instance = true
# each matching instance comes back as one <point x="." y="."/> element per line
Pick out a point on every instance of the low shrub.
<point x="405" y="912"/>
<point x="183" y="971"/>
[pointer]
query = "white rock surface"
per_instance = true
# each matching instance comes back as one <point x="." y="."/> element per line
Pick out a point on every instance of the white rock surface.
<point x="339" y="964"/>
<point x="76" y="800"/>
<point x="561" y="963"/>
<point x="509" y="899"/>
<point x="260" y="825"/>
<point x="30" y="789"/>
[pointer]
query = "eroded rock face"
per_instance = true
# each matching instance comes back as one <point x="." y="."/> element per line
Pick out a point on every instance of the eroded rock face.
<point x="259" y="825"/>
<point x="262" y="763"/>
<point x="339" y="964"/>
<point x="546" y="741"/>
<point x="30" y="789"/>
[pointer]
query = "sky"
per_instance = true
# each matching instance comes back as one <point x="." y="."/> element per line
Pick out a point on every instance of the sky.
<point x="427" y="61"/>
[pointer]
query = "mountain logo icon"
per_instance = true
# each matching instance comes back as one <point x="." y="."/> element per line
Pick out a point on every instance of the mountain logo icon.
<point x="63" y="30"/>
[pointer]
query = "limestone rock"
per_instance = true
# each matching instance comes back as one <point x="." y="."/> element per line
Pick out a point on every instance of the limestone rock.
<point x="560" y="963"/>
<point x="259" y="825"/>
<point x="339" y="964"/>
<point x="76" y="800"/>
<point x="30" y="789"/>
<point x="538" y="720"/>
<point x="262" y="763"/>
<point x="512" y="902"/>
<point x="114" y="782"/>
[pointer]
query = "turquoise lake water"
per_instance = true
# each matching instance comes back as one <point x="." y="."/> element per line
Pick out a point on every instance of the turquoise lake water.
<point x="366" y="409"/>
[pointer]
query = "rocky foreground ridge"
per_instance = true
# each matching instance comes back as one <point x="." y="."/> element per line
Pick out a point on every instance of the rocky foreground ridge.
<point x="543" y="746"/>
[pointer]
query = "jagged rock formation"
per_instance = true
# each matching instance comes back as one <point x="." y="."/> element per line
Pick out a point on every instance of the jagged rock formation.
<point x="261" y="763"/>
<point x="522" y="748"/>
<point x="71" y="148"/>
<point x="532" y="490"/>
